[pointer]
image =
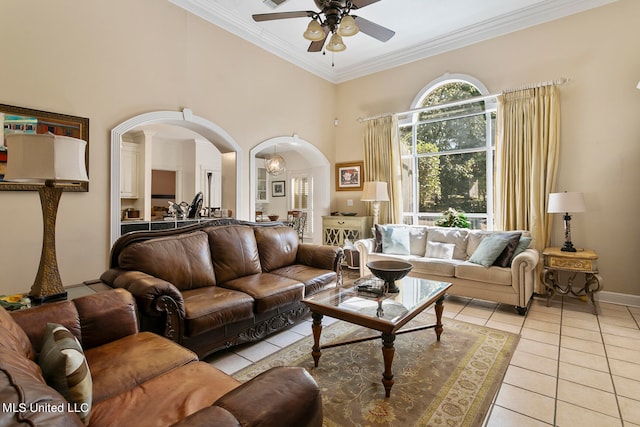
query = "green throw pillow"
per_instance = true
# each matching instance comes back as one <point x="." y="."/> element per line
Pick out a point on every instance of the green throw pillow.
<point x="489" y="250"/>
<point x="395" y="240"/>
<point x="65" y="368"/>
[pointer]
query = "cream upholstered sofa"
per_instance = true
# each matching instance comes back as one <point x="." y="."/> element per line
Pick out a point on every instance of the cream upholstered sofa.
<point x="500" y="269"/>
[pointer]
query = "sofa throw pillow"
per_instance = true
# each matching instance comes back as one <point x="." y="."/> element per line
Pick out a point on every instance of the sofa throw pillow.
<point x="489" y="250"/>
<point x="377" y="238"/>
<point x="504" y="259"/>
<point x="523" y="244"/>
<point x="440" y="250"/>
<point x="395" y="240"/>
<point x="65" y="368"/>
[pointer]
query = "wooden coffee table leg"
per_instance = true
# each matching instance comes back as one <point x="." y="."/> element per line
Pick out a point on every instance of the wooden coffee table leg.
<point x="439" y="310"/>
<point x="316" y="327"/>
<point x="387" y="354"/>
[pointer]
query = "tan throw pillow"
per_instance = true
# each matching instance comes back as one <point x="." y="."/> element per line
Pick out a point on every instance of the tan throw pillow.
<point x="65" y="368"/>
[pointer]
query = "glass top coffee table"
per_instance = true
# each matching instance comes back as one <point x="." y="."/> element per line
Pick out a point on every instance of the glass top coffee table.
<point x="386" y="313"/>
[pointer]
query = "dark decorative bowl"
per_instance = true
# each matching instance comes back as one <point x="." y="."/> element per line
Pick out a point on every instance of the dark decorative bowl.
<point x="274" y="217"/>
<point x="389" y="271"/>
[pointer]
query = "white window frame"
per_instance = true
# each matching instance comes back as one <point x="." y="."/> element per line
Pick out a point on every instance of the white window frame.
<point x="412" y="120"/>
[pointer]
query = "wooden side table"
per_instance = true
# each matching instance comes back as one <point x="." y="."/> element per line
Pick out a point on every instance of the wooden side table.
<point x="581" y="261"/>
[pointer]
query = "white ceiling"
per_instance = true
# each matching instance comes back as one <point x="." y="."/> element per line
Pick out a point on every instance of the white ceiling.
<point x="423" y="28"/>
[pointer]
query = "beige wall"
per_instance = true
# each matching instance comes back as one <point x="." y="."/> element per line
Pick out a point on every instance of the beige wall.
<point x="600" y="147"/>
<point x="112" y="60"/>
<point x="116" y="59"/>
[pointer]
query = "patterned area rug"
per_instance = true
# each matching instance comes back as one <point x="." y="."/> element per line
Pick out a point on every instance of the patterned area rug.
<point x="447" y="383"/>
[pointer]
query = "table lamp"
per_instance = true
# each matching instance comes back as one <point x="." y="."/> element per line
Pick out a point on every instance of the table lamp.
<point x="376" y="192"/>
<point x="564" y="203"/>
<point x="50" y="160"/>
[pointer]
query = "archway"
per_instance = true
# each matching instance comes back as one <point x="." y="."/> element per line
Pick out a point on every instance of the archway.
<point x="316" y="164"/>
<point x="185" y="119"/>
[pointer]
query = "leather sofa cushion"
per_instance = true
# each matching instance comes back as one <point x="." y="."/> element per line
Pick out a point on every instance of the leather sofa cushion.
<point x="213" y="307"/>
<point x="184" y="260"/>
<point x="478" y="273"/>
<point x="278" y="246"/>
<point x="269" y="291"/>
<point x="314" y="279"/>
<point x="166" y="399"/>
<point x="124" y="364"/>
<point x="234" y="252"/>
<point x="22" y="383"/>
<point x="12" y="336"/>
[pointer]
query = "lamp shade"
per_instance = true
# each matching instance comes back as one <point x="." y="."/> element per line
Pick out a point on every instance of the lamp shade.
<point x="566" y="202"/>
<point x="375" y="191"/>
<point x="336" y="44"/>
<point x="40" y="158"/>
<point x="314" y="31"/>
<point x="348" y="26"/>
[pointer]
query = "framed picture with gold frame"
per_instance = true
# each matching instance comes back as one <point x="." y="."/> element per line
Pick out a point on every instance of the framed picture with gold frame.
<point x="349" y="176"/>
<point x="25" y="120"/>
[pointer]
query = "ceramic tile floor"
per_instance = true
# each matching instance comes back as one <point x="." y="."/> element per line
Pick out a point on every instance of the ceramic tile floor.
<point x="571" y="367"/>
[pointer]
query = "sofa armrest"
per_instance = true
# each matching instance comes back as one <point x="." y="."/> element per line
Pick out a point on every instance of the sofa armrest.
<point x="279" y="397"/>
<point x="145" y="288"/>
<point x="524" y="273"/>
<point x="528" y="259"/>
<point x="320" y="256"/>
<point x="155" y="298"/>
<point x="364" y="247"/>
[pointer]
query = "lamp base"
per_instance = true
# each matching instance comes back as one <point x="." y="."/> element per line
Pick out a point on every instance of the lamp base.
<point x="48" y="298"/>
<point x="568" y="247"/>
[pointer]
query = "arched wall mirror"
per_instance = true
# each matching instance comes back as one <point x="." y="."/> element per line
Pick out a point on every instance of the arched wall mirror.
<point x="303" y="186"/>
<point x="170" y="156"/>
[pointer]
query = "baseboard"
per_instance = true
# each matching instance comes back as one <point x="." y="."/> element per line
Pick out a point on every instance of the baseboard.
<point x="618" y="298"/>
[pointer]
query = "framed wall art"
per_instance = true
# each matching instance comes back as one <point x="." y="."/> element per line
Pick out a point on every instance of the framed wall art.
<point x="25" y="120"/>
<point x="349" y="176"/>
<point x="278" y="189"/>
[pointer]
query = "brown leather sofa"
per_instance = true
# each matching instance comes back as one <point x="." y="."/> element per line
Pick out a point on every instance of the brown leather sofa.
<point x="211" y="286"/>
<point x="139" y="378"/>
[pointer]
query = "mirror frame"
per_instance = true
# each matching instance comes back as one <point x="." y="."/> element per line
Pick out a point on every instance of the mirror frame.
<point x="82" y="123"/>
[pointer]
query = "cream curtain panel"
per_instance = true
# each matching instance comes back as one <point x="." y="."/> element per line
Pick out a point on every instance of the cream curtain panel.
<point x="382" y="162"/>
<point x="527" y="145"/>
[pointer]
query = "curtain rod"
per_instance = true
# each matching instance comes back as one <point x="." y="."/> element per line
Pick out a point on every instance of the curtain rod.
<point x="559" y="81"/>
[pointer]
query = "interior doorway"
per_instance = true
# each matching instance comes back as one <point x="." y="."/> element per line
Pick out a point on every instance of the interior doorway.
<point x="302" y="159"/>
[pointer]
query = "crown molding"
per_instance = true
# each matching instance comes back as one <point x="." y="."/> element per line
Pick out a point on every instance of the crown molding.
<point x="542" y="12"/>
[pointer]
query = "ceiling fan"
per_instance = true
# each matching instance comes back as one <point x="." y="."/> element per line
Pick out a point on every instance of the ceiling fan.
<point x="334" y="18"/>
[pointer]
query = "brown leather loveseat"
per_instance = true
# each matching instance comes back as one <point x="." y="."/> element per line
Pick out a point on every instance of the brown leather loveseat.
<point x="213" y="286"/>
<point x="138" y="378"/>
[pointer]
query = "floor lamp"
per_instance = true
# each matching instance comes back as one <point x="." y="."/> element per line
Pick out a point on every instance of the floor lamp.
<point x="565" y="203"/>
<point x="375" y="192"/>
<point x="46" y="159"/>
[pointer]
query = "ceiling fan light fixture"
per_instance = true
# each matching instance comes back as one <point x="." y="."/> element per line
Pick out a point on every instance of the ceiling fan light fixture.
<point x="348" y="26"/>
<point x="336" y="44"/>
<point x="314" y="31"/>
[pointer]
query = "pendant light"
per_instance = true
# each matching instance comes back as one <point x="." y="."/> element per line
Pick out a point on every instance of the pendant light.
<point x="275" y="163"/>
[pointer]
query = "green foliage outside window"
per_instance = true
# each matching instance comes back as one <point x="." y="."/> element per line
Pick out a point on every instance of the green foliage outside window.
<point x="451" y="151"/>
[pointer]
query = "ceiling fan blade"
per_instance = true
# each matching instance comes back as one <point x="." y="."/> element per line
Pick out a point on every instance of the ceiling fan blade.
<point x="374" y="30"/>
<point x="317" y="45"/>
<point x="359" y="4"/>
<point x="282" y="15"/>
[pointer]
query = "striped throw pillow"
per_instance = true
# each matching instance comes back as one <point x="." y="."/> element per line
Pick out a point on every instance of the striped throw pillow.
<point x="65" y="368"/>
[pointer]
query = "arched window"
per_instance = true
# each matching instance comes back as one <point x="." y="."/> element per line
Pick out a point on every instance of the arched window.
<point x="448" y="145"/>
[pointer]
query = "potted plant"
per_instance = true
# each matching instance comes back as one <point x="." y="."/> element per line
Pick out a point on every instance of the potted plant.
<point x="453" y="218"/>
